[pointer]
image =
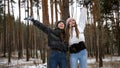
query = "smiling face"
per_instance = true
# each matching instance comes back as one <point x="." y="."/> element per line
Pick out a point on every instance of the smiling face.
<point x="72" y="23"/>
<point x="61" y="25"/>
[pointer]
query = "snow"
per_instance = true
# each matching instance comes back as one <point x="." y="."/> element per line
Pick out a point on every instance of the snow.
<point x="106" y="59"/>
<point x="33" y="63"/>
<point x="22" y="63"/>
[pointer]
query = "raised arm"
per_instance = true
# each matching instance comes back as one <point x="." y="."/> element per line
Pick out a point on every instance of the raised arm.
<point x="39" y="25"/>
<point x="43" y="27"/>
<point x="83" y="18"/>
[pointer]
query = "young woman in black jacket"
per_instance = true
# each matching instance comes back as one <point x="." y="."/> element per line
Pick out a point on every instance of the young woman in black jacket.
<point x="56" y="43"/>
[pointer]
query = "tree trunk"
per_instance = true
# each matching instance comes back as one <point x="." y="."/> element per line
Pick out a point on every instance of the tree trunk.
<point x="118" y="29"/>
<point x="100" y="43"/>
<point x="9" y="43"/>
<point x="31" y="32"/>
<point x="4" y="25"/>
<point x="65" y="9"/>
<point x="20" y="52"/>
<point x="28" y="39"/>
<point x="46" y="22"/>
<point x="52" y="13"/>
<point x="56" y="10"/>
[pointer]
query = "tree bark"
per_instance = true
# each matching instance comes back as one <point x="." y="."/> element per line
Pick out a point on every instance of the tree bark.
<point x="46" y="22"/>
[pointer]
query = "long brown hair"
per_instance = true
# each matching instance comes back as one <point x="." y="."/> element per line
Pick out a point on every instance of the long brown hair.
<point x="68" y="31"/>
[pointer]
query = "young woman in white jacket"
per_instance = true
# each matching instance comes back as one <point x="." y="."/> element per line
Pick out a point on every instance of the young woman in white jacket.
<point x="76" y="40"/>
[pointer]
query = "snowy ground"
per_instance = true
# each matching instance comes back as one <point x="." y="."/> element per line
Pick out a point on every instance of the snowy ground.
<point x="109" y="62"/>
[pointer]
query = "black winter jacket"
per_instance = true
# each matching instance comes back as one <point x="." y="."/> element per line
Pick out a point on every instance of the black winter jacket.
<point x="54" y="41"/>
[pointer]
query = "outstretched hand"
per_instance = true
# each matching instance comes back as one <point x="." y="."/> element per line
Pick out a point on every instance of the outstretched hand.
<point x="29" y="18"/>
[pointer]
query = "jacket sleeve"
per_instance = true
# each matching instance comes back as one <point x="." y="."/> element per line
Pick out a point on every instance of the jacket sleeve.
<point x="41" y="26"/>
<point x="83" y="18"/>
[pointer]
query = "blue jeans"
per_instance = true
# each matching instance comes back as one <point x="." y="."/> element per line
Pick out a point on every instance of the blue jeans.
<point x="81" y="57"/>
<point x="57" y="59"/>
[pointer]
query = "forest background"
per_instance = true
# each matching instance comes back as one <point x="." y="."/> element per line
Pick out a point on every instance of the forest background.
<point x="20" y="39"/>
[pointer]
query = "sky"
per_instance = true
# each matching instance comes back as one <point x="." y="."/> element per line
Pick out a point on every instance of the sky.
<point x="16" y="11"/>
<point x="73" y="13"/>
